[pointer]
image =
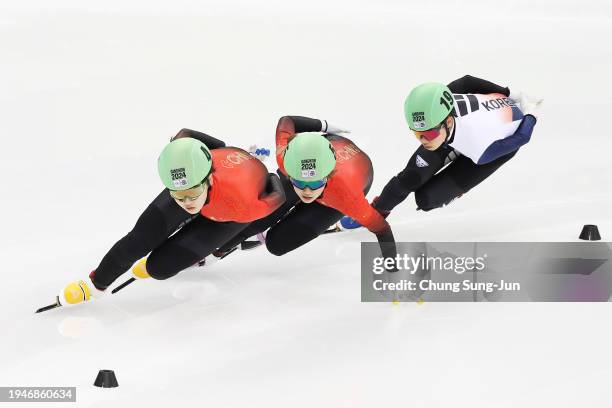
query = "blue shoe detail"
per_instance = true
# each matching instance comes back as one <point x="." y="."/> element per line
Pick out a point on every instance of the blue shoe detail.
<point x="348" y="223"/>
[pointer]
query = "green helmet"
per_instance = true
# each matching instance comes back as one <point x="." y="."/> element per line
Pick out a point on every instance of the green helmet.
<point x="184" y="163"/>
<point x="428" y="105"/>
<point x="309" y="156"/>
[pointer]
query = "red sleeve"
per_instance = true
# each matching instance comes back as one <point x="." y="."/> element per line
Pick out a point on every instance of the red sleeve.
<point x="284" y="132"/>
<point x="372" y="220"/>
<point x="367" y="216"/>
<point x="352" y="202"/>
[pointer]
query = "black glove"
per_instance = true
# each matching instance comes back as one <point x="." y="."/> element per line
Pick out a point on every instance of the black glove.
<point x="387" y="246"/>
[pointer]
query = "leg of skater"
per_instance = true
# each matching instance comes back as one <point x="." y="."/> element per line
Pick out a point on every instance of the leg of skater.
<point x="302" y="225"/>
<point x="161" y="218"/>
<point x="455" y="180"/>
<point x="192" y="243"/>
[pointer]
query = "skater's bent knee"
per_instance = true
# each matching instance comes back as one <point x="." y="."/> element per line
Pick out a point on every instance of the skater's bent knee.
<point x="424" y="202"/>
<point x="276" y="246"/>
<point x="162" y="265"/>
<point x="283" y="239"/>
<point x="276" y="251"/>
<point x="156" y="272"/>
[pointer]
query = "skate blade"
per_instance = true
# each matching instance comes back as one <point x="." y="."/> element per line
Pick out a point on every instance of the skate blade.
<point x="53" y="306"/>
<point x="123" y="285"/>
<point x="248" y="245"/>
<point x="332" y="230"/>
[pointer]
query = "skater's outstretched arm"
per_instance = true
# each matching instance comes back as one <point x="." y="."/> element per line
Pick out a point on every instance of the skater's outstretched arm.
<point x="421" y="167"/>
<point x="347" y="196"/>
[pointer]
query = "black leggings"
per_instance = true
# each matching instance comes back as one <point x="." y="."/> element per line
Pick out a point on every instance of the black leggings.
<point x="292" y="225"/>
<point x="456" y="179"/>
<point x="196" y="238"/>
<point x="434" y="185"/>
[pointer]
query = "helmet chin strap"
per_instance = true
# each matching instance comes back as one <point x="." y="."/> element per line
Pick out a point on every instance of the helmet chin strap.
<point x="448" y="131"/>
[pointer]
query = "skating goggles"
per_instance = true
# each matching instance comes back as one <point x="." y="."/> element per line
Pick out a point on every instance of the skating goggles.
<point x="430" y="134"/>
<point x="191" y="194"/>
<point x="313" y="185"/>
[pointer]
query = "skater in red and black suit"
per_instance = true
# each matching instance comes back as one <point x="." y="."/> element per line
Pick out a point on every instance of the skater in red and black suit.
<point x="212" y="193"/>
<point x="324" y="176"/>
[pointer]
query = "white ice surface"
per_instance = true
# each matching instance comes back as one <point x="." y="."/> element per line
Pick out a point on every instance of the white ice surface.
<point x="90" y="93"/>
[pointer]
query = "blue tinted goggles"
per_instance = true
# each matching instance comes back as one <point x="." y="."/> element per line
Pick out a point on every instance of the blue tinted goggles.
<point x="313" y="185"/>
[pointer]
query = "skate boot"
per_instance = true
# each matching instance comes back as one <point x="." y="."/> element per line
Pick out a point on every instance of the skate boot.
<point x="79" y="291"/>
